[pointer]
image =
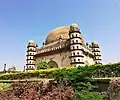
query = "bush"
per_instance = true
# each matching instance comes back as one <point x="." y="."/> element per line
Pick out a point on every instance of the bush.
<point x="37" y="91"/>
<point x="4" y="86"/>
<point x="42" y="65"/>
<point x="49" y="73"/>
<point x="86" y="95"/>
<point x="91" y="71"/>
<point x="79" y="78"/>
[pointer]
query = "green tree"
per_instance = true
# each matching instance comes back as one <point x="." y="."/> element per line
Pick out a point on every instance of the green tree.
<point x="12" y="69"/>
<point x="42" y="65"/>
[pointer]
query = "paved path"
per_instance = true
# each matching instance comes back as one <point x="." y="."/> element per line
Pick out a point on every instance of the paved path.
<point x="45" y="80"/>
<point x="109" y="78"/>
<point x="26" y="80"/>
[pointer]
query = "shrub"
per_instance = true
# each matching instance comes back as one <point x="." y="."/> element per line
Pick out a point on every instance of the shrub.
<point x="4" y="86"/>
<point x="37" y="91"/>
<point x="91" y="71"/>
<point x="42" y="65"/>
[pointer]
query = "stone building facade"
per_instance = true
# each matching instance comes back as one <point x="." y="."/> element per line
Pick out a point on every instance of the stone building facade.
<point x="64" y="46"/>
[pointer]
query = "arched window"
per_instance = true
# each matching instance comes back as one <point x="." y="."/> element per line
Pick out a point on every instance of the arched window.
<point x="30" y="57"/>
<point x="73" y="47"/>
<point x="52" y="64"/>
<point x="74" y="60"/>
<point x="76" y="41"/>
<point x="72" y="35"/>
<point x="30" y="62"/>
<point x="76" y="35"/>
<point x="78" y="53"/>
<point x="77" y="47"/>
<point x="73" y="53"/>
<point x="78" y="60"/>
<point x="72" y="41"/>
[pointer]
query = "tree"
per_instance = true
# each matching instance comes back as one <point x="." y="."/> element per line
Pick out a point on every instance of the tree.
<point x="42" y="65"/>
<point x="12" y="69"/>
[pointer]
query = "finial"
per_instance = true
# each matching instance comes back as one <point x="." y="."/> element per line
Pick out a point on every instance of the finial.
<point x="86" y="43"/>
<point x="31" y="41"/>
<point x="43" y="43"/>
<point x="24" y="69"/>
<point x="36" y="45"/>
<point x="5" y="68"/>
<point x="74" y="25"/>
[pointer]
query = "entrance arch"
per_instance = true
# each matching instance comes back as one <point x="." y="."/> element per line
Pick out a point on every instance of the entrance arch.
<point x="52" y="64"/>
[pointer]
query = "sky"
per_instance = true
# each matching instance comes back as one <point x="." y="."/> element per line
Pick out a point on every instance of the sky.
<point x="24" y="20"/>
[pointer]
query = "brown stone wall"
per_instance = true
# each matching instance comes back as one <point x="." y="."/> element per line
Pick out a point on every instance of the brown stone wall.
<point x="113" y="91"/>
<point x="61" y="58"/>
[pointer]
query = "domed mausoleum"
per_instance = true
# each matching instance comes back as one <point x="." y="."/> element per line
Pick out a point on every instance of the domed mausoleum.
<point x="64" y="46"/>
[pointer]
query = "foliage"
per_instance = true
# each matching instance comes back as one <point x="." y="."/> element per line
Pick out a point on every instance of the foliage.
<point x="75" y="82"/>
<point x="86" y="95"/>
<point x="91" y="71"/>
<point x="66" y="80"/>
<point x="42" y="65"/>
<point x="11" y="69"/>
<point x="80" y="81"/>
<point x="49" y="73"/>
<point x="37" y="91"/>
<point x="4" y="86"/>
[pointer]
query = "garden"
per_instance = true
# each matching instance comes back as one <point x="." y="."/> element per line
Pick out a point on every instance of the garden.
<point x="68" y="83"/>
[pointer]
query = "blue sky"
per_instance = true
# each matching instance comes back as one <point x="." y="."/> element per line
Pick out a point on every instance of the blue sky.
<point x="23" y="20"/>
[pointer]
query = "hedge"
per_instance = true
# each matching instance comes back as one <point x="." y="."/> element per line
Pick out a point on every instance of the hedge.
<point x="96" y="71"/>
<point x="49" y="73"/>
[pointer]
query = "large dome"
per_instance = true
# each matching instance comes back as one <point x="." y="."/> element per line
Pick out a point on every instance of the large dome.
<point x="62" y="31"/>
<point x="54" y="35"/>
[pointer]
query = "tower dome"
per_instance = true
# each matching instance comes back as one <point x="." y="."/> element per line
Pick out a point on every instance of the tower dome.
<point x="94" y="42"/>
<point x="74" y="25"/>
<point x="31" y="41"/>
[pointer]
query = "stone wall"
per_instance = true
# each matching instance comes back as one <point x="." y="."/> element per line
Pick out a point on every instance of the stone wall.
<point x="61" y="58"/>
<point x="113" y="91"/>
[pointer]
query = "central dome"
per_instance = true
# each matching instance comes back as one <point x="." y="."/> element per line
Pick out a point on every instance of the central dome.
<point x="54" y="35"/>
<point x="62" y="32"/>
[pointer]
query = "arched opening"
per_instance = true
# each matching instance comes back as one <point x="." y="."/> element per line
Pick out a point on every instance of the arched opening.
<point x="52" y="64"/>
<point x="76" y="41"/>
